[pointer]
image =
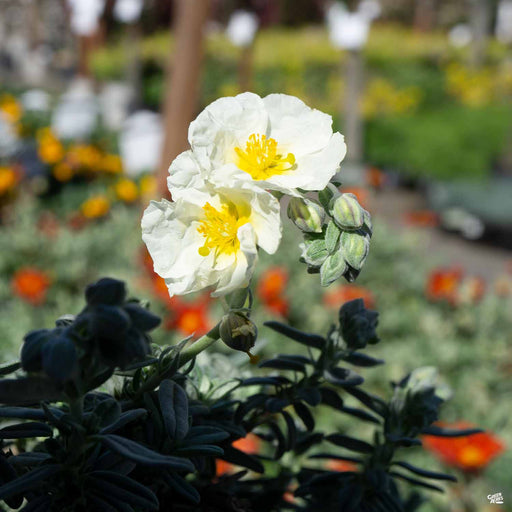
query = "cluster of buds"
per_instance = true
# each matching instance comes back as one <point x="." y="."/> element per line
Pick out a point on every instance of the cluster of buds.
<point x="337" y="232"/>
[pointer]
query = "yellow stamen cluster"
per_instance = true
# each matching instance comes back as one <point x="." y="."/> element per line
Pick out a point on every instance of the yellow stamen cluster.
<point x="220" y="227"/>
<point x="261" y="159"/>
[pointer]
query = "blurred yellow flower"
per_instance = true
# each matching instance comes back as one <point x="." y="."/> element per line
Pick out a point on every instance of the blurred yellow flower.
<point x="85" y="157"/>
<point x="8" y="180"/>
<point x="62" y="172"/>
<point x="95" y="207"/>
<point x="147" y="186"/>
<point x="111" y="164"/>
<point x="382" y="97"/>
<point x="126" y="190"/>
<point x="50" y="149"/>
<point x="11" y="108"/>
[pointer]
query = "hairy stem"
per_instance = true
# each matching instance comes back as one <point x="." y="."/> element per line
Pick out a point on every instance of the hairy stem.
<point x="201" y="344"/>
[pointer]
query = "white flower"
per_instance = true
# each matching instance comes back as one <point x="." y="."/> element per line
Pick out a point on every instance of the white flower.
<point x="209" y="238"/>
<point x="277" y="142"/>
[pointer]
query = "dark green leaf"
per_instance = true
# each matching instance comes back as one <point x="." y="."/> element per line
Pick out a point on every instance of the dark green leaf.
<point x="434" y="430"/>
<point x="336" y="457"/>
<point x="200" y="449"/>
<point x="123" y="488"/>
<point x="39" y="504"/>
<point x="359" y="359"/>
<point x="8" y="368"/>
<point x="29" y="458"/>
<point x="174" y="407"/>
<point x="138" y="453"/>
<point x="311" y="396"/>
<point x="283" y="364"/>
<point x="416" y="482"/>
<point x="124" y="419"/>
<point x="239" y="458"/>
<point x="305" y="415"/>
<point x="29" y="390"/>
<point x="331" y="398"/>
<point x="343" y="377"/>
<point x="108" y="411"/>
<point x="181" y="486"/>
<point x="24" y="413"/>
<point x="26" y="430"/>
<point x="265" y="381"/>
<point x="425" y="473"/>
<point x="359" y="413"/>
<point x="28" y="481"/>
<point x="310" y="340"/>
<point x="350" y="443"/>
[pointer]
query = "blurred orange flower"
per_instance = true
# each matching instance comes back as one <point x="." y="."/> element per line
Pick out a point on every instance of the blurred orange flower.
<point x="249" y="444"/>
<point x="341" y="465"/>
<point x="271" y="290"/>
<point x="189" y="317"/>
<point x="8" y="180"/>
<point x="31" y="285"/>
<point x="112" y="164"/>
<point x="470" y="453"/>
<point x="375" y="177"/>
<point x="342" y="293"/>
<point x="50" y="149"/>
<point x="421" y="218"/>
<point x="11" y="108"/>
<point x="443" y="283"/>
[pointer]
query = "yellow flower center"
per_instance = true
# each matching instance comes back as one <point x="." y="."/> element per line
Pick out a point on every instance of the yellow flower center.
<point x="261" y="158"/>
<point x="219" y="228"/>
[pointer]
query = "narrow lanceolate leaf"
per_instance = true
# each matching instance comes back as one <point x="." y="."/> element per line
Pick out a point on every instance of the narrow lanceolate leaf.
<point x="310" y="340"/>
<point x="414" y="481"/>
<point x="26" y="430"/>
<point x="359" y="413"/>
<point x="425" y="473"/>
<point x="283" y="364"/>
<point x="336" y="457"/>
<point x="331" y="398"/>
<point x="24" y="413"/>
<point x="28" y="481"/>
<point x="123" y="488"/>
<point x="343" y="377"/>
<point x="124" y="419"/>
<point x="239" y="458"/>
<point x="359" y="359"/>
<point x="350" y="443"/>
<point x="8" y="368"/>
<point x="265" y="381"/>
<point x="29" y="390"/>
<point x="305" y="415"/>
<point x="204" y="435"/>
<point x="373" y="402"/>
<point x="39" y="504"/>
<point x="181" y="486"/>
<point x="200" y="449"/>
<point x="434" y="430"/>
<point x="138" y="453"/>
<point x="29" y="458"/>
<point x="174" y="407"/>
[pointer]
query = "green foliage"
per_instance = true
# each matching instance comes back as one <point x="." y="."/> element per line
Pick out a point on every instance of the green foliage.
<point x="152" y="441"/>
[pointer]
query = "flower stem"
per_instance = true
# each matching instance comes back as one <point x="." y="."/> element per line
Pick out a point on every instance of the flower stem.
<point x="201" y="344"/>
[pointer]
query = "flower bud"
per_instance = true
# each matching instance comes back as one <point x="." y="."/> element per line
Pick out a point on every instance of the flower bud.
<point x="238" y="332"/>
<point x="314" y="252"/>
<point x="307" y="215"/>
<point x="355" y="247"/>
<point x="347" y="212"/>
<point x="332" y="269"/>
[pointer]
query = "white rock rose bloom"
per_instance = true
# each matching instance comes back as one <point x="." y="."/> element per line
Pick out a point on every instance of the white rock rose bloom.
<point x="277" y="142"/>
<point x="210" y="238"/>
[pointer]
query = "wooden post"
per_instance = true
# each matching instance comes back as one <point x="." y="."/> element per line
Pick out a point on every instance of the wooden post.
<point x="245" y="68"/>
<point x="424" y="15"/>
<point x="352" y="108"/>
<point x="480" y="23"/>
<point x="182" y="88"/>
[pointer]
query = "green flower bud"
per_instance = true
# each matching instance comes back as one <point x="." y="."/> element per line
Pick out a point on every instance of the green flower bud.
<point x="347" y="212"/>
<point x="332" y="236"/>
<point x="238" y="332"/>
<point x="307" y="215"/>
<point x="325" y="195"/>
<point x="314" y="252"/>
<point x="355" y="247"/>
<point x="332" y="268"/>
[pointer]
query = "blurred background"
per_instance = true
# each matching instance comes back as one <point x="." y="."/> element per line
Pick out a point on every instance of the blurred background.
<point x="95" y="101"/>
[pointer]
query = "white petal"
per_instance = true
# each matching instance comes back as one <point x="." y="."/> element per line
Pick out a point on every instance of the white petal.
<point x="184" y="173"/>
<point x="225" y="124"/>
<point x="297" y="128"/>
